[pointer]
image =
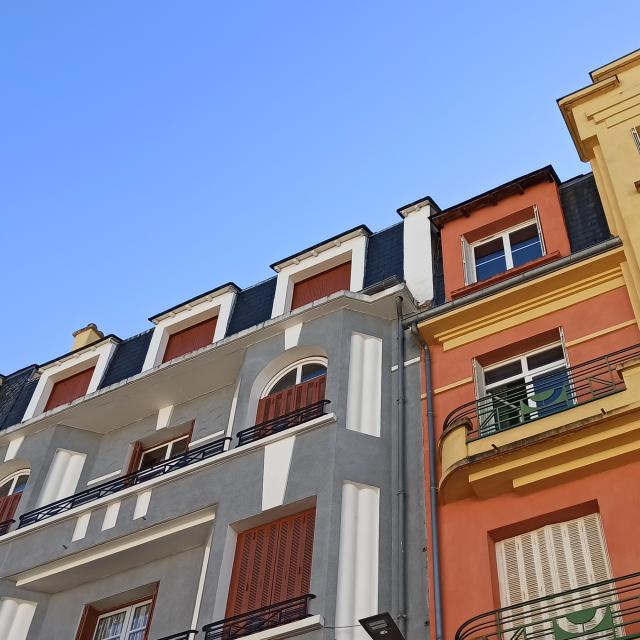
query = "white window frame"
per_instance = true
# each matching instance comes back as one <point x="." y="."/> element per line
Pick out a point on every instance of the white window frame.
<point x="97" y="356"/>
<point x="169" y="446"/>
<point x="127" y="621"/>
<point x="13" y="479"/>
<point x="213" y="305"/>
<point x="635" y="132"/>
<point x="297" y="366"/>
<point x="468" y="248"/>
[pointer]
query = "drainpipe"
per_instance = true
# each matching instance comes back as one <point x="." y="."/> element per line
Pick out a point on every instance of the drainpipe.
<point x="401" y="471"/>
<point x="433" y="485"/>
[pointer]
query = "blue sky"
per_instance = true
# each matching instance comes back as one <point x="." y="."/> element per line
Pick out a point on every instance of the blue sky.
<point x="151" y="150"/>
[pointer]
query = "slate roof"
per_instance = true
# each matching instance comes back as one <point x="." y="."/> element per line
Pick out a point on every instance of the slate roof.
<point x="15" y="392"/>
<point x="385" y="255"/>
<point x="128" y="359"/>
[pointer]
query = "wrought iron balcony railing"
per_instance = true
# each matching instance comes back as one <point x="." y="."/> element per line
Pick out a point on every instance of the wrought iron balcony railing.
<point x="266" y="618"/>
<point x="113" y="486"/>
<point x="184" y="635"/>
<point x="550" y="393"/>
<point x="282" y="423"/>
<point x="608" y="610"/>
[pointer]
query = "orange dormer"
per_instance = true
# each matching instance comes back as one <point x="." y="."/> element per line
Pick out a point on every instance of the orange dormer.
<point x="501" y="233"/>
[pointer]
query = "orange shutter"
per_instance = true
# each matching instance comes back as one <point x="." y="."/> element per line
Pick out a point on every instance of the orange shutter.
<point x="136" y="456"/>
<point x="252" y="574"/>
<point x="190" y="339"/>
<point x="88" y="622"/>
<point x="302" y="395"/>
<point x="8" y="506"/>
<point x="321" y="285"/>
<point x="295" y="550"/>
<point x="69" y="389"/>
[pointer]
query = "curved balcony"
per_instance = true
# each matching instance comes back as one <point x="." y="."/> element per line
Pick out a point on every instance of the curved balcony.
<point x="602" y="611"/>
<point x="556" y="391"/>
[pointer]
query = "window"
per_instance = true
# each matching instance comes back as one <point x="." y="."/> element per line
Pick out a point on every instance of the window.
<point x="190" y="339"/>
<point x="298" y="386"/>
<point x="497" y="254"/>
<point x="321" y="285"/>
<point x="142" y="458"/>
<point x="635" y="132"/>
<point x="69" y="389"/>
<point x="129" y="623"/>
<point x="524" y="388"/>
<point x="272" y="563"/>
<point x="11" y="489"/>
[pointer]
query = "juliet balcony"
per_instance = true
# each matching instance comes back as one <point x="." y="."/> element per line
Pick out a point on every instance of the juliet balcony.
<point x="605" y="610"/>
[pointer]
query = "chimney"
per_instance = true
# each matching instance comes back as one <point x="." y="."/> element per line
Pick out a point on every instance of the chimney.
<point x="86" y="335"/>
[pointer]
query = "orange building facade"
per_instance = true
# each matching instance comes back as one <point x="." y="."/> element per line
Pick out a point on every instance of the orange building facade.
<point x="535" y="405"/>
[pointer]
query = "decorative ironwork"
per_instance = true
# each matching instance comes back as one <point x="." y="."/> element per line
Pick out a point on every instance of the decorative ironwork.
<point x="266" y="618"/>
<point x="184" y="635"/>
<point x="5" y="526"/>
<point x="113" y="486"/>
<point x="608" y="610"/>
<point x="282" y="423"/>
<point x="553" y="392"/>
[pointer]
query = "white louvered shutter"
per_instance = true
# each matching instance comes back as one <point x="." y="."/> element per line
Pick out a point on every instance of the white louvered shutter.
<point x="468" y="262"/>
<point x="536" y="213"/>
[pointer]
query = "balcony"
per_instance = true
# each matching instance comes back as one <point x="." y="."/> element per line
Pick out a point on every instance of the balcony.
<point x="124" y="482"/>
<point x="183" y="635"/>
<point x="552" y="393"/>
<point x="603" y="611"/>
<point x="281" y="423"/>
<point x="269" y="617"/>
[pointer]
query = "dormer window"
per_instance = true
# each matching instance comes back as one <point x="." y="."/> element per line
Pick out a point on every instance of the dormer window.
<point x="499" y="253"/>
<point x="69" y="389"/>
<point x="190" y="339"/>
<point x="321" y="285"/>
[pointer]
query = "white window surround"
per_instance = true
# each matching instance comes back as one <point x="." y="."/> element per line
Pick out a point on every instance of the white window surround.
<point x="13" y="480"/>
<point x="97" y="355"/>
<point x="297" y="367"/>
<point x="217" y="304"/>
<point x="128" y="621"/>
<point x="468" y="248"/>
<point x="350" y="248"/>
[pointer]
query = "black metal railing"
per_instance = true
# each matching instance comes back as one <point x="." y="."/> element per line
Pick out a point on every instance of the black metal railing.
<point x="5" y="526"/>
<point x="266" y="618"/>
<point x="184" y="635"/>
<point x="282" y="423"/>
<point x="558" y="390"/>
<point x="124" y="482"/>
<point x="608" y="610"/>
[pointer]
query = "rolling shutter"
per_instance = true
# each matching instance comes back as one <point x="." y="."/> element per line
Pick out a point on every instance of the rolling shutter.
<point x="321" y="285"/>
<point x="552" y="559"/>
<point x="69" y="389"/>
<point x="272" y="563"/>
<point x="190" y="339"/>
<point x="301" y="395"/>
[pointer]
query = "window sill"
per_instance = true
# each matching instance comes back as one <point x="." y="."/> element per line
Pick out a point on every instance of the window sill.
<point x="287" y="630"/>
<point x="505" y="275"/>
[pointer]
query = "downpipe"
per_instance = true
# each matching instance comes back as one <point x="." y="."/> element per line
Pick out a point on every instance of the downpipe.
<point x="433" y="485"/>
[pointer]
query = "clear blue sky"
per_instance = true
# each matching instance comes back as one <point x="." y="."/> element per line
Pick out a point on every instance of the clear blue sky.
<point x="151" y="150"/>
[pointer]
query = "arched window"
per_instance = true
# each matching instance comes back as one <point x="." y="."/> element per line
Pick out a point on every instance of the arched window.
<point x="11" y="489"/>
<point x="300" y="385"/>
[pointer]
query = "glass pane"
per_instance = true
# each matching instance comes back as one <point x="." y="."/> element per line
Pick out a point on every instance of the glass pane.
<point x="5" y="488"/>
<point x="313" y="370"/>
<point x="179" y="446"/>
<point x="508" y="400"/>
<point x="525" y="245"/>
<point x="139" y="618"/>
<point x="21" y="484"/>
<point x="110" y="627"/>
<point x="552" y="392"/>
<point x="489" y="259"/>
<point x="285" y="382"/>
<point x="151" y="458"/>
<point x="538" y="360"/>
<point x="503" y="372"/>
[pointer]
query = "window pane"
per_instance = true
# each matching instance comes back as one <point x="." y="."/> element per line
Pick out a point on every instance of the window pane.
<point x="552" y="392"/>
<point x="489" y="259"/>
<point x="110" y="627"/>
<point x="5" y="488"/>
<point x="139" y="618"/>
<point x="21" y="484"/>
<point x="284" y="383"/>
<point x="525" y="245"/>
<point x="555" y="354"/>
<point x="179" y="446"/>
<point x="313" y="370"/>
<point x="507" y="403"/>
<point x="503" y="372"/>
<point x="151" y="458"/>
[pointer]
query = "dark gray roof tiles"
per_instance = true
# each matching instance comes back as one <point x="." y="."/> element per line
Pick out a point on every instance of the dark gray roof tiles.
<point x="128" y="359"/>
<point x="385" y="256"/>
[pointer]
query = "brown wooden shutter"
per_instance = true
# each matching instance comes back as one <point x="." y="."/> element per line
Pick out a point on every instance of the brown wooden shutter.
<point x="302" y="395"/>
<point x="8" y="506"/>
<point x="253" y="567"/>
<point x="69" y="389"/>
<point x="88" y="622"/>
<point x="295" y="550"/>
<point x="136" y="456"/>
<point x="190" y="339"/>
<point x="321" y="285"/>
